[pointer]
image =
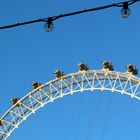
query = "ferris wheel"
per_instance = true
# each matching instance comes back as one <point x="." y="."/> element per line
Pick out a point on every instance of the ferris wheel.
<point x="42" y="94"/>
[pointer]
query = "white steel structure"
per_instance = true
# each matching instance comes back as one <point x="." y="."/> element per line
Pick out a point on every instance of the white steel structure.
<point x="124" y="83"/>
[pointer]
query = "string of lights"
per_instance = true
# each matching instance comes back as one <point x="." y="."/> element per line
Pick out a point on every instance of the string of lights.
<point x="48" y="26"/>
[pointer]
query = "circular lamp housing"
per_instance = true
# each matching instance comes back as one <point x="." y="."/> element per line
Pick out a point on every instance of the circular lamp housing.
<point x="125" y="12"/>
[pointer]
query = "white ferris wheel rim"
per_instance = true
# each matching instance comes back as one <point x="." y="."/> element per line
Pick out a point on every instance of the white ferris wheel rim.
<point x="123" y="83"/>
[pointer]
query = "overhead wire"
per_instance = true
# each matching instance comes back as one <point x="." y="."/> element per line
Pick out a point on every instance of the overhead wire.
<point x="53" y="18"/>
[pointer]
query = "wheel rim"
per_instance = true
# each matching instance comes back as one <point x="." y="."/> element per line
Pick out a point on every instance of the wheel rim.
<point x="75" y="82"/>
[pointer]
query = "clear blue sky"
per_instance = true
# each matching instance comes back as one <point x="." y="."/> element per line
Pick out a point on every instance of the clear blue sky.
<point x="29" y="54"/>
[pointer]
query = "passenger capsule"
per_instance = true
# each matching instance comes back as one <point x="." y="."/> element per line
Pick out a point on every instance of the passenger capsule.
<point x="14" y="100"/>
<point x="82" y="67"/>
<point x="58" y="73"/>
<point x="132" y="69"/>
<point x="35" y="85"/>
<point x="107" y="65"/>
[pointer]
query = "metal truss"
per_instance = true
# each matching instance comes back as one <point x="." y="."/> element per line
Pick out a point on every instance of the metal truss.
<point x="123" y="83"/>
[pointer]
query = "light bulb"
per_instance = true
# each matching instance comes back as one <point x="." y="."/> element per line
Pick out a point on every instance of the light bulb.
<point x="125" y="12"/>
<point x="48" y="26"/>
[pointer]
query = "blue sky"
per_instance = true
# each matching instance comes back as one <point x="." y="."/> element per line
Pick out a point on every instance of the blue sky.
<point x="28" y="53"/>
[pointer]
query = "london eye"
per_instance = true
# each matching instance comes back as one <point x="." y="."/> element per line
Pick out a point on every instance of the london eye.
<point x="84" y="80"/>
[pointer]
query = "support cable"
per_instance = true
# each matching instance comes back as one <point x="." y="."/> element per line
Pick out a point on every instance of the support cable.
<point x="78" y="118"/>
<point x="106" y="123"/>
<point x="125" y="119"/>
<point x="92" y="125"/>
<point x="90" y="116"/>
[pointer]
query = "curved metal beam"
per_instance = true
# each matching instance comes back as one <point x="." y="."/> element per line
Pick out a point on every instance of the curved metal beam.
<point x="69" y="84"/>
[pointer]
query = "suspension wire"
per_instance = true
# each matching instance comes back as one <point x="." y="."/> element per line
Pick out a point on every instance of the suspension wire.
<point x="91" y="127"/>
<point x="74" y="117"/>
<point x="78" y="119"/>
<point x="90" y="115"/>
<point x="107" y="113"/>
<point x="124" y="121"/>
<point x="130" y="117"/>
<point x="120" y="4"/>
<point x="59" y="124"/>
<point x="63" y="120"/>
<point x="110" y="119"/>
